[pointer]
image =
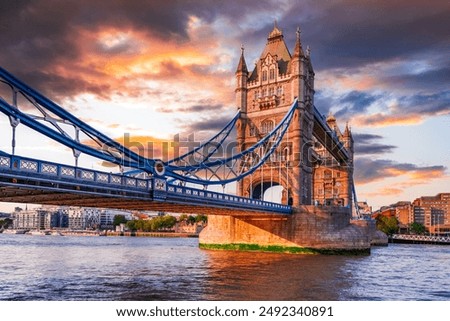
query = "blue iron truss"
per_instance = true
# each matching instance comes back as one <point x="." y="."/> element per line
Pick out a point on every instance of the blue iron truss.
<point x="198" y="166"/>
<point x="204" y="165"/>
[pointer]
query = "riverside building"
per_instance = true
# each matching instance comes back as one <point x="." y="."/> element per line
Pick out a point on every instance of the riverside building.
<point x="433" y="212"/>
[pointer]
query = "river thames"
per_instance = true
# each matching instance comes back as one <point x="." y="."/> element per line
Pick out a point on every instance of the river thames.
<point x="64" y="268"/>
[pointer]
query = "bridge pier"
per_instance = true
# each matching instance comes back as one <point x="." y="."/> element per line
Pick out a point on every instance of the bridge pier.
<point x="309" y="229"/>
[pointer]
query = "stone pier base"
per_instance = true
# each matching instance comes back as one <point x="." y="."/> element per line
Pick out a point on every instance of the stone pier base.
<point x="310" y="229"/>
<point x="377" y="238"/>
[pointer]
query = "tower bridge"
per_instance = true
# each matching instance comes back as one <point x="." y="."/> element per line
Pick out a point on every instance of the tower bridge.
<point x="282" y="140"/>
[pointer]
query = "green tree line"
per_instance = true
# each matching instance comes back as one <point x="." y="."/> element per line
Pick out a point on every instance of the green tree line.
<point x="4" y="223"/>
<point x="155" y="224"/>
<point x="158" y="223"/>
<point x="193" y="219"/>
<point x="390" y="225"/>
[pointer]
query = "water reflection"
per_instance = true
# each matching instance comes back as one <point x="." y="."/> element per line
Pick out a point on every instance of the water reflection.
<point x="266" y="276"/>
<point x="124" y="268"/>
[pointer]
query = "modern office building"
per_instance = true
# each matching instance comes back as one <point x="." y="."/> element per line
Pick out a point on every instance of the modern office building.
<point x="432" y="210"/>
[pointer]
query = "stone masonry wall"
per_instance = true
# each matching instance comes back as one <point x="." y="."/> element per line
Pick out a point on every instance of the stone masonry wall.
<point x="309" y="227"/>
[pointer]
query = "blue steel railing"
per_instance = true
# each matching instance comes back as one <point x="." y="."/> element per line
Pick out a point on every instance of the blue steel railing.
<point x="231" y="200"/>
<point x="29" y="165"/>
<point x="159" y="188"/>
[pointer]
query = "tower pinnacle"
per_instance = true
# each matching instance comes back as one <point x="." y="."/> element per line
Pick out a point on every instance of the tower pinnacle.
<point x="242" y="66"/>
<point x="276" y="33"/>
<point x="298" y="50"/>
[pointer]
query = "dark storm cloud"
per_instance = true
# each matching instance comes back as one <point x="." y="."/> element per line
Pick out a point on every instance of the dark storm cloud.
<point x="365" y="144"/>
<point x="322" y="102"/>
<point x="366" y="138"/>
<point x="200" y="108"/>
<point x="368" y="170"/>
<point x="356" y="103"/>
<point x="427" y="104"/>
<point x="437" y="78"/>
<point x="213" y="124"/>
<point x="41" y="35"/>
<point x="170" y="69"/>
<point x="349" y="33"/>
<point x="353" y="103"/>
<point x="38" y="36"/>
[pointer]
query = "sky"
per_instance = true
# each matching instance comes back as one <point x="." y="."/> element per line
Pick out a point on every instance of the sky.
<point x="148" y="70"/>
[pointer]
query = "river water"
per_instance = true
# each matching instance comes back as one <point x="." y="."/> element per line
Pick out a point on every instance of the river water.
<point x="129" y="268"/>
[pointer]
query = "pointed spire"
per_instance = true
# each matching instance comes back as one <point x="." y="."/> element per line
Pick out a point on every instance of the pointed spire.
<point x="242" y="66"/>
<point x="298" y="50"/>
<point x="276" y="33"/>
<point x="331" y="118"/>
<point x="347" y="131"/>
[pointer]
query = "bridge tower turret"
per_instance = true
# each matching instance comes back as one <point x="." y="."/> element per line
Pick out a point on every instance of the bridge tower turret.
<point x="241" y="83"/>
<point x="302" y="83"/>
<point x="264" y="96"/>
<point x="241" y="103"/>
<point x="347" y="139"/>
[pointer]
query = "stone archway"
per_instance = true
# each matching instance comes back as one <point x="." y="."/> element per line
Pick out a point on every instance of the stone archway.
<point x="258" y="190"/>
<point x="261" y="191"/>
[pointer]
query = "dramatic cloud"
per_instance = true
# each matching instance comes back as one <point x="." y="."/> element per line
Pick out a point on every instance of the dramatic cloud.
<point x="354" y="102"/>
<point x="408" y="110"/>
<point x="157" y="68"/>
<point x="351" y="33"/>
<point x="368" y="170"/>
<point x="75" y="46"/>
<point x="212" y="125"/>
<point x="195" y="108"/>
<point x="365" y="145"/>
<point x="386" y="192"/>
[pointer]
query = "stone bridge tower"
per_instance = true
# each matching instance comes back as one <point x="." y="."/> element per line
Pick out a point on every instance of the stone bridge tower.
<point x="264" y="95"/>
<point x="304" y="168"/>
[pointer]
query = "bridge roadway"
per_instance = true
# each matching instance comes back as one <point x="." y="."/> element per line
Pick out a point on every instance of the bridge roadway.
<point x="26" y="180"/>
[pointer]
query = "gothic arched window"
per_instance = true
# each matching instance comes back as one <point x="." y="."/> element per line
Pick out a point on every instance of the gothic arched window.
<point x="272" y="74"/>
<point x="264" y="75"/>
<point x="279" y="90"/>
<point x="266" y="126"/>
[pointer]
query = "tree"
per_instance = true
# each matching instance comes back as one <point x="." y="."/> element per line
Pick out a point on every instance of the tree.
<point x="5" y="222"/>
<point x="168" y="221"/>
<point x="154" y="224"/>
<point x="387" y="224"/>
<point x="417" y="228"/>
<point x="190" y="220"/>
<point x="131" y="225"/>
<point x="201" y="218"/>
<point x="119" y="219"/>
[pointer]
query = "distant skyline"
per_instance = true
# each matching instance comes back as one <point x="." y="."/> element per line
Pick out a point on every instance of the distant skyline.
<point x="153" y="69"/>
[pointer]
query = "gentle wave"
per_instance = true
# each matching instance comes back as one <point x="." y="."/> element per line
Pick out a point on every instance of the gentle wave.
<point x="127" y="268"/>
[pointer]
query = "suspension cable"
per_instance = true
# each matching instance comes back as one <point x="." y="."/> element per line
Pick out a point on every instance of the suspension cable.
<point x="261" y="173"/>
<point x="251" y="186"/>
<point x="288" y="149"/>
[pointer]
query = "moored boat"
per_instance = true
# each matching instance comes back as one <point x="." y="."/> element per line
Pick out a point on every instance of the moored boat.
<point x="12" y="231"/>
<point x="37" y="232"/>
